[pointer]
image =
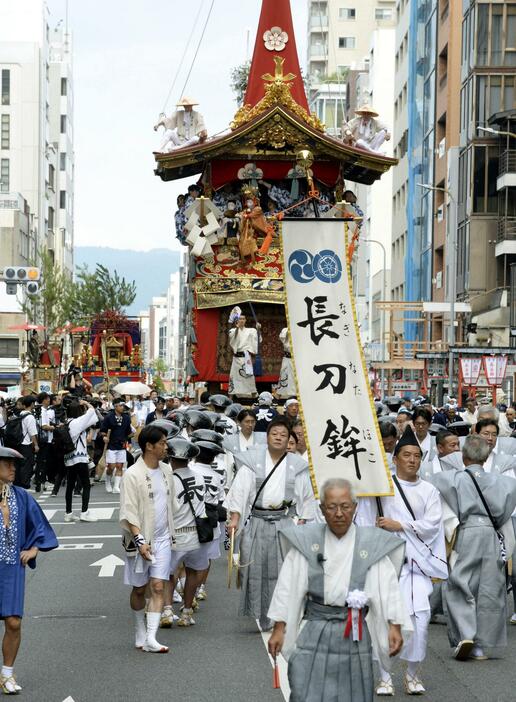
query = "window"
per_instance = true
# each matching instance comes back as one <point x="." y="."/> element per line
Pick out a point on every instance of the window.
<point x="346" y="42"/>
<point x="51" y="176"/>
<point x="347" y="13"/>
<point x="6" y="132"/>
<point x="381" y="13"/>
<point x="6" y="87"/>
<point x="64" y="86"/>
<point x="62" y="162"/>
<point x="4" y="175"/>
<point x="9" y="348"/>
<point x="63" y="124"/>
<point x="50" y="219"/>
<point x="62" y="199"/>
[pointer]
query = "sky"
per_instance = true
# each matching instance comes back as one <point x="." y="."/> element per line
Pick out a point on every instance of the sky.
<point x="126" y="54"/>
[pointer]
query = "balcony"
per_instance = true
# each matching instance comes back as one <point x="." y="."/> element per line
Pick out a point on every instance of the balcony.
<point x="507" y="170"/>
<point x="506" y="236"/>
<point x="318" y="52"/>
<point x="319" y="23"/>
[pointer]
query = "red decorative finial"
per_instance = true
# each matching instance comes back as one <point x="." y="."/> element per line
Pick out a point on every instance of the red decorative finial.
<point x="275" y="37"/>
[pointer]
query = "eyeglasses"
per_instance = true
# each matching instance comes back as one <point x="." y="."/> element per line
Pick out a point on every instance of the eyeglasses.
<point x="334" y="509"/>
<point x="488" y="434"/>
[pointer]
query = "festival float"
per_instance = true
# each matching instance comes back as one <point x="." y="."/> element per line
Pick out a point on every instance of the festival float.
<point x="107" y="351"/>
<point x="275" y="163"/>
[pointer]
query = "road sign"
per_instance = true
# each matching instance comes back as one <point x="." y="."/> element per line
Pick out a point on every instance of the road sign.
<point x="108" y="565"/>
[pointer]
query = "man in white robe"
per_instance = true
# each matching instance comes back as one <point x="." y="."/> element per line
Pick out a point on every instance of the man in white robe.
<point x="446" y="443"/>
<point x="244" y="344"/>
<point x="270" y="487"/>
<point x="479" y="506"/>
<point x="414" y="514"/>
<point x="286" y="386"/>
<point x="183" y="128"/>
<point x="333" y="575"/>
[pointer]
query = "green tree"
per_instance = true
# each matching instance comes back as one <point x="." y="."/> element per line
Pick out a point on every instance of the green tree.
<point x="159" y="367"/>
<point x="100" y="290"/>
<point x="239" y="78"/>
<point x="50" y="305"/>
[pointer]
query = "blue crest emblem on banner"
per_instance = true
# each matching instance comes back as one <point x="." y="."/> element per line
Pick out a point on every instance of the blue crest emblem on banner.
<point x="325" y="265"/>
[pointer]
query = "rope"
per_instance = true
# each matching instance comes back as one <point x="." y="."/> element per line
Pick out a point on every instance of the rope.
<point x="197" y="49"/>
<point x="182" y="57"/>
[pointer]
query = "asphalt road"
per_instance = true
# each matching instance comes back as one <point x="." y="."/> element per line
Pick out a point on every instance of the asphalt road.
<point x="77" y="643"/>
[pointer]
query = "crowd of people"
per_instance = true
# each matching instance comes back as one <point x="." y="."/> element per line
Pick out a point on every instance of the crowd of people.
<point x="199" y="478"/>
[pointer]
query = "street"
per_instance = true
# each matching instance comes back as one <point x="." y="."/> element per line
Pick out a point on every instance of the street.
<point x="78" y="635"/>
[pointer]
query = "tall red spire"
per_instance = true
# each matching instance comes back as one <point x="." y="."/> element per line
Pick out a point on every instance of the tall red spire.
<point x="275" y="37"/>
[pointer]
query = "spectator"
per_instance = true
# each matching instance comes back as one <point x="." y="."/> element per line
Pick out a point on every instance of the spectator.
<point x="29" y="446"/>
<point x="46" y="433"/>
<point x="158" y="413"/>
<point x="82" y="416"/>
<point x="117" y="429"/>
<point x="265" y="413"/>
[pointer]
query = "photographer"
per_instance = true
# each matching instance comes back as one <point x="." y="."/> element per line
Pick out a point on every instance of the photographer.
<point x="76" y="384"/>
<point x="82" y="416"/>
<point x="46" y="423"/>
<point x="29" y="446"/>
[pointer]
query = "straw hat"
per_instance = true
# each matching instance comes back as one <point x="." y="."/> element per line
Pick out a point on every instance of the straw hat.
<point x="186" y="102"/>
<point x="366" y="110"/>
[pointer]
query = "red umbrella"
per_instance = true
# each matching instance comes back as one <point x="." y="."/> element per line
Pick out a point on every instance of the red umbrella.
<point x="26" y="327"/>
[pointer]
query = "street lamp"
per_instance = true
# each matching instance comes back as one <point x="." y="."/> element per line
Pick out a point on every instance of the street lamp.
<point x="452" y="287"/>
<point x="490" y="130"/>
<point x="382" y="318"/>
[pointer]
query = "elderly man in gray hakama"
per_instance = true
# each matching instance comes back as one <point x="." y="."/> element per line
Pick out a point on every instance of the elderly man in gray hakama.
<point x="475" y="593"/>
<point x="285" y="495"/>
<point x="340" y="582"/>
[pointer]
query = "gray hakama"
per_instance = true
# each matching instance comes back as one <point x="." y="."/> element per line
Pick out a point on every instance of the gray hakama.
<point x="475" y="593"/>
<point x="327" y="666"/>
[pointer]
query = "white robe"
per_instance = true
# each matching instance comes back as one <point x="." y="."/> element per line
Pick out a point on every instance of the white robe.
<point x="245" y="341"/>
<point x="425" y="552"/>
<point x="381" y="586"/>
<point x="243" y="491"/>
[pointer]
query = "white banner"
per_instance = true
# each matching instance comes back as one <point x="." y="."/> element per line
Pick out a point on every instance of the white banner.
<point x="337" y="406"/>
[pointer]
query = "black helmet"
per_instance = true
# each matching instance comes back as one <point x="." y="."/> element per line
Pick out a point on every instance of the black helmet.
<point x="168" y="425"/>
<point x="220" y="425"/>
<point x="393" y="402"/>
<point x="459" y="428"/>
<point x="206" y="435"/>
<point x="181" y="449"/>
<point x="220" y="400"/>
<point x="233" y="410"/>
<point x="209" y="447"/>
<point x="214" y="416"/>
<point x="199" y="408"/>
<point x="198" y="420"/>
<point x="177" y="416"/>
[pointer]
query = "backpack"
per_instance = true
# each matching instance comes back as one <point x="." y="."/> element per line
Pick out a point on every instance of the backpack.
<point x="63" y="440"/>
<point x="13" y="434"/>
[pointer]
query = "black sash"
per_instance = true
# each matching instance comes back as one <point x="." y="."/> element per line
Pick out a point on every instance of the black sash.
<point x="403" y="496"/>
<point x="260" y="489"/>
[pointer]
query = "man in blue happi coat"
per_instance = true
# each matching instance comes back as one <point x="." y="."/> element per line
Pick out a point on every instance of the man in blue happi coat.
<point x="24" y="530"/>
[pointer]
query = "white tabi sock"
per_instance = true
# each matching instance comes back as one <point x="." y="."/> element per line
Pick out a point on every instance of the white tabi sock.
<point x="7" y="672"/>
<point x="116" y="485"/>
<point x="140" y="633"/>
<point x="412" y="667"/>
<point x="153" y="619"/>
<point x="385" y="675"/>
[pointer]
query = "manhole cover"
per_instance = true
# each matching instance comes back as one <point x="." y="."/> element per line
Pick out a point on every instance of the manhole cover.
<point x="69" y="616"/>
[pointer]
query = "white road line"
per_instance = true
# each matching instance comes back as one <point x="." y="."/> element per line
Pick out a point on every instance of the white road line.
<point x="282" y="665"/>
<point x="80" y="547"/>
<point x="60" y="505"/>
<point x="49" y="513"/>
<point x="89" y="536"/>
<point x="103" y="514"/>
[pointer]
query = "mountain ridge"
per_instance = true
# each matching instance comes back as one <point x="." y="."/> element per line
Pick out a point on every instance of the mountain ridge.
<point x="149" y="269"/>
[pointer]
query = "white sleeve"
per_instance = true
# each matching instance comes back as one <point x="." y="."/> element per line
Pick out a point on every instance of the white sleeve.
<point x="80" y="424"/>
<point x="366" y="512"/>
<point x="385" y="606"/>
<point x="305" y="499"/>
<point x="291" y="587"/>
<point x="241" y="493"/>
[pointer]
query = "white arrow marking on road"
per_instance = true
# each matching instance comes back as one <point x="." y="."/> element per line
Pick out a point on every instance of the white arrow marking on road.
<point x="108" y="565"/>
<point x="49" y="513"/>
<point x="69" y="699"/>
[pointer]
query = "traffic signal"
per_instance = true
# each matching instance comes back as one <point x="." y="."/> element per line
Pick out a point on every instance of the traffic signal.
<point x="24" y="275"/>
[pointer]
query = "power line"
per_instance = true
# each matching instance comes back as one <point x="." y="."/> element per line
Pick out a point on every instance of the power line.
<point x="197" y="49"/>
<point x="183" y="56"/>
